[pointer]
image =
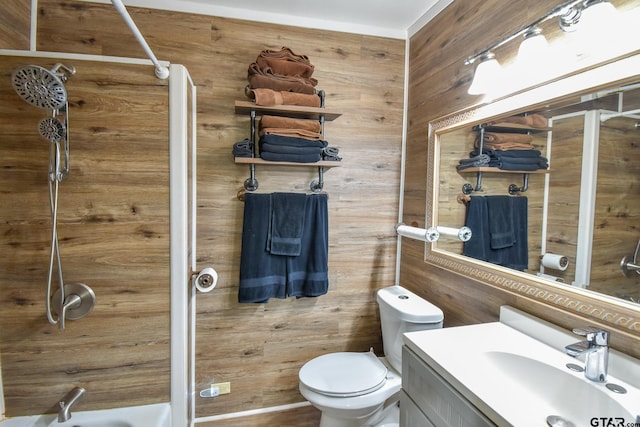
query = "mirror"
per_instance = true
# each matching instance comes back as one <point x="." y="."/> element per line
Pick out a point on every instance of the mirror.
<point x="582" y="211"/>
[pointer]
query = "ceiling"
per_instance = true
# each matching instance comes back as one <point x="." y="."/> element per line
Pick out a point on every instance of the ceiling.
<point x="385" y="18"/>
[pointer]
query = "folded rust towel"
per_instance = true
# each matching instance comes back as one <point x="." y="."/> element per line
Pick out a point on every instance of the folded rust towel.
<point x="532" y="120"/>
<point x="285" y="62"/>
<point x="290" y="123"/>
<point x="269" y="97"/>
<point x="521" y="138"/>
<point x="259" y="78"/>
<point x="300" y="133"/>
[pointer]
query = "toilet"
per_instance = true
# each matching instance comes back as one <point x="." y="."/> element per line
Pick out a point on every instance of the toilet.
<point x="354" y="389"/>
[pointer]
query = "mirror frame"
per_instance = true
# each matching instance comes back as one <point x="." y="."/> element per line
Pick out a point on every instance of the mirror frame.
<point x="618" y="313"/>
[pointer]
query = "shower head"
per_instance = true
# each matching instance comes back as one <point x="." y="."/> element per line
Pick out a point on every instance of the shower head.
<point x="52" y="129"/>
<point x="40" y="87"/>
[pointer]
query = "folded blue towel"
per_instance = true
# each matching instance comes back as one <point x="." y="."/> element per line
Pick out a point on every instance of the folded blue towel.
<point x="287" y="222"/>
<point x="292" y="141"/>
<point x="289" y="149"/>
<point x="296" y="158"/>
<point x="243" y="148"/>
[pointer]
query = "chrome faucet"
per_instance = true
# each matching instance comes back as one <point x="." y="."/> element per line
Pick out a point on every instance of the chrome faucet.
<point x="596" y="351"/>
<point x="68" y="402"/>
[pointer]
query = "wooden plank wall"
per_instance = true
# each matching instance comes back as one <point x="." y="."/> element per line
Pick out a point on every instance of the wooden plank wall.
<point x="438" y="81"/>
<point x="115" y="214"/>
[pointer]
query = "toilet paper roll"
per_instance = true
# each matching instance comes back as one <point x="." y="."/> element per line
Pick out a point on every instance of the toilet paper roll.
<point x="206" y="280"/>
<point x="555" y="261"/>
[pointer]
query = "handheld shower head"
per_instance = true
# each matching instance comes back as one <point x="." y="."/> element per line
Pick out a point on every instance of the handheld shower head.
<point x="52" y="129"/>
<point x="40" y="87"/>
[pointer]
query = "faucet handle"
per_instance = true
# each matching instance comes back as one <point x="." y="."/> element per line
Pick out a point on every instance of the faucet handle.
<point x="593" y="334"/>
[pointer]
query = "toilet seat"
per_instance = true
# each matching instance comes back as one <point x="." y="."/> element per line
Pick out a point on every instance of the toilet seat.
<point x="344" y="374"/>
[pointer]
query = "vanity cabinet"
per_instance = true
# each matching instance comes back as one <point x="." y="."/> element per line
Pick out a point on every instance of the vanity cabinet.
<point x="299" y="112"/>
<point x="429" y="400"/>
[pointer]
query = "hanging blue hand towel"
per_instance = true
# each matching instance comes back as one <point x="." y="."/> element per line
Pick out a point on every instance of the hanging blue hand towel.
<point x="287" y="223"/>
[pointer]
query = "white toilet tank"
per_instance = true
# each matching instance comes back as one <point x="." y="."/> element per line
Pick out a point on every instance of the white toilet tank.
<point x="403" y="311"/>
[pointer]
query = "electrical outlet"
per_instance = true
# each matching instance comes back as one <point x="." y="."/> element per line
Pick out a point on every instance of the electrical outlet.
<point x="223" y="388"/>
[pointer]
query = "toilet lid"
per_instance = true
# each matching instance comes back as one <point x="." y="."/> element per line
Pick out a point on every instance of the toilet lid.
<point x="344" y="374"/>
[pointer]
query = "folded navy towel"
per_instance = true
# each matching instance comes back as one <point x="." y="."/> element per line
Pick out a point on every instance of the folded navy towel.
<point x="291" y="140"/>
<point x="506" y="164"/>
<point x="508" y="153"/>
<point x="297" y="158"/>
<point x="243" y="148"/>
<point x="287" y="222"/>
<point x="477" y="161"/>
<point x="288" y="149"/>
<point x="331" y="154"/>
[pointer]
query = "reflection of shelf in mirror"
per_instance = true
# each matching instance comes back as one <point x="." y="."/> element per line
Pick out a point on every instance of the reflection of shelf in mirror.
<point x="258" y="161"/>
<point x="497" y="170"/>
<point x="245" y="107"/>
<point x="512" y="128"/>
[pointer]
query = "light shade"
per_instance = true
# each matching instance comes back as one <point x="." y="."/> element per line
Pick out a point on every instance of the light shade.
<point x="533" y="47"/>
<point x="487" y="76"/>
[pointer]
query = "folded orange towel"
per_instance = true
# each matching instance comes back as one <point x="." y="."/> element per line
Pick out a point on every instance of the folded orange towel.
<point x="533" y="120"/>
<point x="508" y="137"/>
<point x="285" y="62"/>
<point x="299" y="133"/>
<point x="270" y="97"/>
<point x="290" y="123"/>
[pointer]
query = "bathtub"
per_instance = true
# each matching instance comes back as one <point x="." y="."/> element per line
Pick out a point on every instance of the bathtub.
<point x="156" y="415"/>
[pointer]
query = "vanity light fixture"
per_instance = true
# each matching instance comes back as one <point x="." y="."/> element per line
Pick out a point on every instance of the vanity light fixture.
<point x="569" y="15"/>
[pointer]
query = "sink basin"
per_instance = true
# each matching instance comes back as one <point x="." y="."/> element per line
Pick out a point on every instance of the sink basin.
<point x="516" y="380"/>
<point x="555" y="390"/>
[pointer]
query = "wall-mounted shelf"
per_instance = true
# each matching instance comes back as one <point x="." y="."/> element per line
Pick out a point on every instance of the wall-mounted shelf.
<point x="258" y="161"/>
<point x="299" y="112"/>
<point x="497" y="170"/>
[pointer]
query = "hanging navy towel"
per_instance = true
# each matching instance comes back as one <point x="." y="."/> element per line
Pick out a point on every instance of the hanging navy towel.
<point x="476" y="219"/>
<point x="287" y="222"/>
<point x="308" y="273"/>
<point x="500" y="219"/>
<point x="480" y="219"/>
<point x="264" y="275"/>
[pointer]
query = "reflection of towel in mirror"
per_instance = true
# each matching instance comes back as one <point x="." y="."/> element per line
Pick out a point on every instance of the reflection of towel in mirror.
<point x="478" y="220"/>
<point x="475" y="161"/>
<point x="532" y="120"/>
<point x="500" y="222"/>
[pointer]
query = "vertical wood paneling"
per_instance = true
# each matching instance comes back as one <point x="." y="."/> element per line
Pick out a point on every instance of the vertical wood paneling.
<point x="15" y="24"/>
<point x="259" y="348"/>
